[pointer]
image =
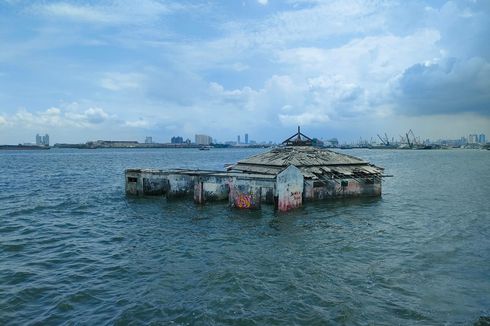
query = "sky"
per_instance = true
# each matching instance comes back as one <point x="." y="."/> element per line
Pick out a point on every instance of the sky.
<point x="122" y="70"/>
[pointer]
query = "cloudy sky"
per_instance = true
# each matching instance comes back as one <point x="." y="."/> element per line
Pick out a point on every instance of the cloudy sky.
<point x="85" y="70"/>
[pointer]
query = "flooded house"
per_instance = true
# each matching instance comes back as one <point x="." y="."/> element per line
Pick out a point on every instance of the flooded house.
<point x="286" y="177"/>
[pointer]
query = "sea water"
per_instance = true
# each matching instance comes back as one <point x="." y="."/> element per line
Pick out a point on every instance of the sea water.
<point x="75" y="250"/>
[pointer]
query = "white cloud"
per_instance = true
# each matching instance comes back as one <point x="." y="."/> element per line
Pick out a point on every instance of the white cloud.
<point x="303" y="119"/>
<point x="370" y="59"/>
<point x="95" y="115"/>
<point x="3" y="121"/>
<point x="263" y="2"/>
<point x="249" y="41"/>
<point x="141" y="123"/>
<point x="320" y="21"/>
<point x="107" y="12"/>
<point x="288" y="101"/>
<point x="79" y="12"/>
<point x="56" y="117"/>
<point x="121" y="81"/>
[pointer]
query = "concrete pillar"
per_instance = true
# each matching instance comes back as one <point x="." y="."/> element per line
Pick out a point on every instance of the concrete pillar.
<point x="199" y="192"/>
<point x="289" y="187"/>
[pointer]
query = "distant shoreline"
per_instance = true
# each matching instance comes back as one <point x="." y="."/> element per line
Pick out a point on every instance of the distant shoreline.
<point x="23" y="147"/>
<point x="133" y="146"/>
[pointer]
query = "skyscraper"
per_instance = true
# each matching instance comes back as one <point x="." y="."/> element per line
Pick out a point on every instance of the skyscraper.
<point x="177" y="140"/>
<point x="238" y="139"/>
<point x="45" y="140"/>
<point x="246" y="138"/>
<point x="473" y="139"/>
<point x="42" y="140"/>
<point x="203" y="140"/>
<point x="482" y="139"/>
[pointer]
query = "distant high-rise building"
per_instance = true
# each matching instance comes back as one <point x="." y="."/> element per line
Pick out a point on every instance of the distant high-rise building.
<point x="203" y="140"/>
<point x="42" y="140"/>
<point x="177" y="140"/>
<point x="46" y="140"/>
<point x="333" y="142"/>
<point x="246" y="138"/>
<point x="482" y="139"/>
<point x="149" y="140"/>
<point x="238" y="139"/>
<point x="473" y="139"/>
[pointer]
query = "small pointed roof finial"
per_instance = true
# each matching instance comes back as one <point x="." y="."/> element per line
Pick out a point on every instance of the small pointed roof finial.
<point x="298" y="139"/>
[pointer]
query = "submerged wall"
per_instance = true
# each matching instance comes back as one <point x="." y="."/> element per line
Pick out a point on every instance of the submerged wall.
<point x="342" y="188"/>
<point x="141" y="182"/>
<point x="286" y="191"/>
<point x="251" y="191"/>
<point x="210" y="188"/>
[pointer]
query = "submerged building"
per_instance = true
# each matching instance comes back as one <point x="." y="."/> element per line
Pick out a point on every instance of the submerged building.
<point x="285" y="177"/>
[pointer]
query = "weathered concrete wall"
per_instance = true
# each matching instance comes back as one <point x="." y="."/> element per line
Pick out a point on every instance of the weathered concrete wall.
<point x="289" y="187"/>
<point x="245" y="193"/>
<point x="287" y="191"/>
<point x="146" y="182"/>
<point x="371" y="187"/>
<point x="180" y="185"/>
<point x="211" y="188"/>
<point x="358" y="187"/>
<point x="216" y="188"/>
<point x="134" y="183"/>
<point x="326" y="189"/>
<point x="319" y="190"/>
<point x="268" y="192"/>
<point x="155" y="185"/>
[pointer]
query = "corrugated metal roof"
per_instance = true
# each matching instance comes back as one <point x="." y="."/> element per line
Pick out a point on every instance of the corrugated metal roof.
<point x="301" y="156"/>
<point x="313" y="162"/>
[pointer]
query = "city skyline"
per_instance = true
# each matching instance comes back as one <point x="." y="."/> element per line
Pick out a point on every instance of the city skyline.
<point x="85" y="70"/>
<point x="202" y="139"/>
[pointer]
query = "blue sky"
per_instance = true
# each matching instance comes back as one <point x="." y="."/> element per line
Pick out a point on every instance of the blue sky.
<point x="86" y="70"/>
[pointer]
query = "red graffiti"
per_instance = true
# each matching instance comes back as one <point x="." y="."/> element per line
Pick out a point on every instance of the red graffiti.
<point x="294" y="200"/>
<point x="296" y="196"/>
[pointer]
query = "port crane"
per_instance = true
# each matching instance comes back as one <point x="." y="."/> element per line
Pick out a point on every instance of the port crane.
<point x="410" y="139"/>
<point x="385" y="140"/>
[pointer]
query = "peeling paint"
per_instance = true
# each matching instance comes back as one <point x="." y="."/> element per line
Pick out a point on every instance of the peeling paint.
<point x="290" y="185"/>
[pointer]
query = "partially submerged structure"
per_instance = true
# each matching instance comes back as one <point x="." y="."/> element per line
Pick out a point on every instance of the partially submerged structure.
<point x="285" y="177"/>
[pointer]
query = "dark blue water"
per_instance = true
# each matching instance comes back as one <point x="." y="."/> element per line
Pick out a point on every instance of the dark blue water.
<point x="75" y="250"/>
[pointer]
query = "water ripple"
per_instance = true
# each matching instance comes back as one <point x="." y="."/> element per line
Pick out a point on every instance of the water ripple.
<point x="75" y="250"/>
